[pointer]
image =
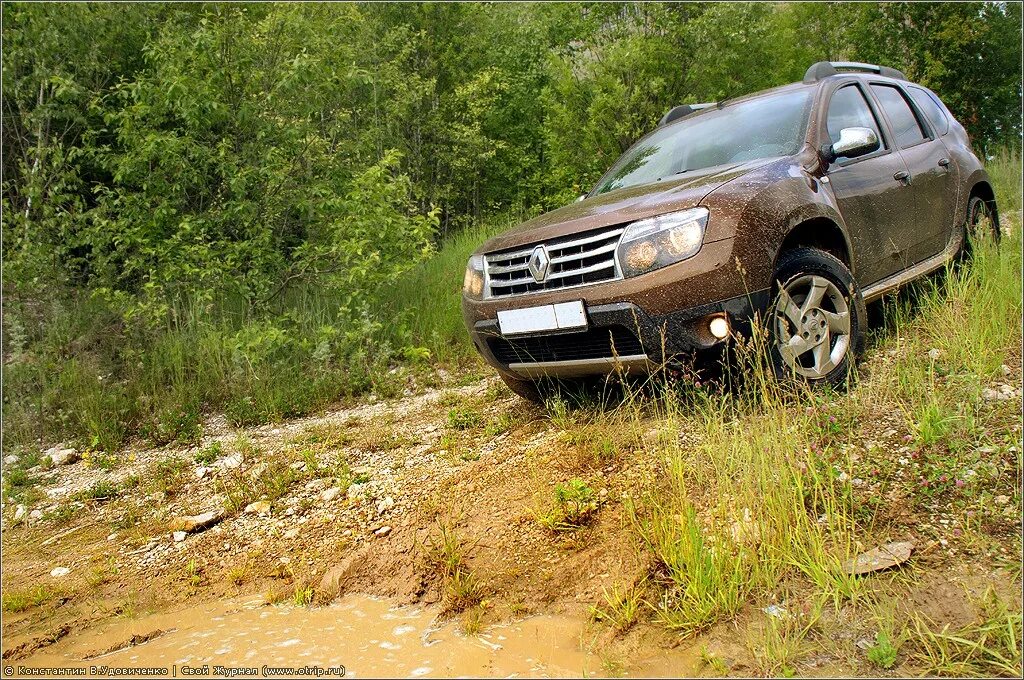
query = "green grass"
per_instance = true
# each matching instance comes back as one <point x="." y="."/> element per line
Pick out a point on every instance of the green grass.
<point x="574" y="505"/>
<point x="16" y="601"/>
<point x="431" y="294"/>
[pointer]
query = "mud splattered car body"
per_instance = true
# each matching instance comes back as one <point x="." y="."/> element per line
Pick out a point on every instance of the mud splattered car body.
<point x="700" y="218"/>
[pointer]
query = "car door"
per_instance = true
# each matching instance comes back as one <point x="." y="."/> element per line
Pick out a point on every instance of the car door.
<point x="872" y="191"/>
<point x="930" y="177"/>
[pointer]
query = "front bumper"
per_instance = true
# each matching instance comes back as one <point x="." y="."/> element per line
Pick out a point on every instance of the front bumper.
<point x="621" y="337"/>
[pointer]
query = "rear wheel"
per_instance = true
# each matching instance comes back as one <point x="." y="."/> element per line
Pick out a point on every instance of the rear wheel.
<point x="817" y="319"/>
<point x="982" y="225"/>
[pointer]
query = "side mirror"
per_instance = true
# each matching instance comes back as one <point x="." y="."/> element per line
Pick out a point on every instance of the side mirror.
<point x="853" y="143"/>
<point x="581" y="197"/>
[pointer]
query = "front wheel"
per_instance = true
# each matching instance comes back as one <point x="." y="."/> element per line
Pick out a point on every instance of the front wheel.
<point x="527" y="389"/>
<point x="817" y="319"/>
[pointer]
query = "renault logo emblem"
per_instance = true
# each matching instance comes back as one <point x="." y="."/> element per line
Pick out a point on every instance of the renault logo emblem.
<point x="538" y="264"/>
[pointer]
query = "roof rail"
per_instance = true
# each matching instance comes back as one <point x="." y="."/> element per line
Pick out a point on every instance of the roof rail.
<point x="682" y="111"/>
<point x="824" y="69"/>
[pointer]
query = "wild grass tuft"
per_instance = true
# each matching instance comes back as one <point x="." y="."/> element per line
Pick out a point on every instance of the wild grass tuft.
<point x="16" y="601"/>
<point x="445" y="552"/>
<point x="575" y="504"/>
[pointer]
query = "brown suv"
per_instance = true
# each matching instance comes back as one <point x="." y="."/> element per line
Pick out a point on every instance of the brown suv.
<point x="799" y="203"/>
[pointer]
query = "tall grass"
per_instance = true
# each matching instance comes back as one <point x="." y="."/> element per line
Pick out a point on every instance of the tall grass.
<point x="754" y="501"/>
<point x="430" y="296"/>
<point x="1004" y="170"/>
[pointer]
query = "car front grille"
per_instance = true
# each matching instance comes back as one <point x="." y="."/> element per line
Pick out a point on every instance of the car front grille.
<point x="573" y="261"/>
<point x="595" y="343"/>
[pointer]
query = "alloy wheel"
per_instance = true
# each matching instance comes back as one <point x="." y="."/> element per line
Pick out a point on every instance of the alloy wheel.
<point x="812" y="318"/>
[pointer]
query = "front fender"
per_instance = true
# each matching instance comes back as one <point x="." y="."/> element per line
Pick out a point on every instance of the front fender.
<point x="761" y="208"/>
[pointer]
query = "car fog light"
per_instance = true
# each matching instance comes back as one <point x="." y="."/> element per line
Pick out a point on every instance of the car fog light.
<point x="719" y="327"/>
<point x="641" y="256"/>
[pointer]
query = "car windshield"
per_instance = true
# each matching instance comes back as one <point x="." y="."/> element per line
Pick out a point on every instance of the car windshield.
<point x="757" y="128"/>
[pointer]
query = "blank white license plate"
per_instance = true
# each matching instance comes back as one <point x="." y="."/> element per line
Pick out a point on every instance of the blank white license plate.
<point x="560" y="317"/>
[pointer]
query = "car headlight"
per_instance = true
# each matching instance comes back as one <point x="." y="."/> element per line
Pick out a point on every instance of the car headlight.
<point x="659" y="241"/>
<point x="473" y="282"/>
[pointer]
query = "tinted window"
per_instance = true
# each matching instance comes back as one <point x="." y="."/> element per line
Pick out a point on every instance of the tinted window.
<point x="905" y="128"/>
<point x="932" y="111"/>
<point x="757" y="128"/>
<point x="848" y="108"/>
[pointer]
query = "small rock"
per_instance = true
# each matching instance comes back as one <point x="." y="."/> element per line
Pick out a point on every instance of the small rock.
<point x="291" y="533"/>
<point x="20" y="513"/>
<point x="257" y="507"/>
<point x="197" y="522"/>
<point x="383" y="531"/>
<point x="64" y="456"/>
<point x="179" y="536"/>
<point x="230" y="462"/>
<point x="202" y="471"/>
<point x="112" y="536"/>
<point x="990" y="394"/>
<point x="330" y="494"/>
<point x="57" y="492"/>
<point x="60" y="571"/>
<point x="883" y="557"/>
<point x="775" y="611"/>
<point x="1005" y="369"/>
<point x="1000" y="499"/>
<point x="865" y="643"/>
<point x="11" y="459"/>
<point x="602" y="493"/>
<point x="35" y="514"/>
<point x="298" y="465"/>
<point x="385" y="504"/>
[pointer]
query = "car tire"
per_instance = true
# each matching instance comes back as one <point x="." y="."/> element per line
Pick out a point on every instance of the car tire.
<point x="527" y="389"/>
<point x="817" y="318"/>
<point x="981" y="222"/>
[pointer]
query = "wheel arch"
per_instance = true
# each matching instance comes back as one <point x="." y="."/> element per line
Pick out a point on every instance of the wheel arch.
<point x="817" y="231"/>
<point x="983" y="190"/>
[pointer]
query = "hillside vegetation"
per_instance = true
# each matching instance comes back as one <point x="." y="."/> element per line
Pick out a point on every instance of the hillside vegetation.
<point x="260" y="210"/>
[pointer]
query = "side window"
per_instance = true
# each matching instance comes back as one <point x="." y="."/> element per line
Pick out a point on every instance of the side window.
<point x="848" y="108"/>
<point x="906" y="129"/>
<point x="932" y="111"/>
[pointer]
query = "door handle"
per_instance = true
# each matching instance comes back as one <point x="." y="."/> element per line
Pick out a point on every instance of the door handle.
<point x="944" y="162"/>
<point x="902" y="176"/>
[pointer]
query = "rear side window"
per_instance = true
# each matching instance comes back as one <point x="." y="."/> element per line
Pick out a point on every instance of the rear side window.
<point x="905" y="127"/>
<point x="848" y="108"/>
<point x="931" y="109"/>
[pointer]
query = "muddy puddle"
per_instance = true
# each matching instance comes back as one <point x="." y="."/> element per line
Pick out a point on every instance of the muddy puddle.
<point x="366" y="636"/>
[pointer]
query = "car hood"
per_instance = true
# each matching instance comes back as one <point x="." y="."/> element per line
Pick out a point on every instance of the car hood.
<point x="621" y="206"/>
